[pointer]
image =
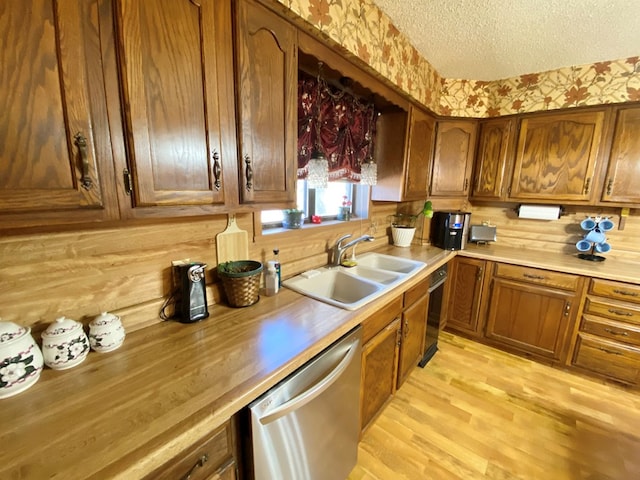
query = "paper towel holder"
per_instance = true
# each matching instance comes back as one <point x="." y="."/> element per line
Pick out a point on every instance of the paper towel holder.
<point x="560" y="211"/>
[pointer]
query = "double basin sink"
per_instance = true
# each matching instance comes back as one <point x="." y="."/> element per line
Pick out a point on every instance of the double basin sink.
<point x="352" y="287"/>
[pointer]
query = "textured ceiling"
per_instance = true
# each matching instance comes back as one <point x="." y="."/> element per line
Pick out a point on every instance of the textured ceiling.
<point x="495" y="39"/>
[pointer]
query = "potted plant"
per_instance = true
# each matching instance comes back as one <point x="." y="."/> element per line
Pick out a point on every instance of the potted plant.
<point x="344" y="211"/>
<point x="241" y="281"/>
<point x="403" y="225"/>
<point x="292" y="218"/>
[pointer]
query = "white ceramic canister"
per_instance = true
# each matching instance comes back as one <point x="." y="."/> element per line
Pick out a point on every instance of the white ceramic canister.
<point x="20" y="359"/>
<point x="106" y="332"/>
<point x="64" y="344"/>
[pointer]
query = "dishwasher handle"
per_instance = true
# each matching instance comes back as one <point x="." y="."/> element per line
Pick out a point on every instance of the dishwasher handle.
<point x="308" y="395"/>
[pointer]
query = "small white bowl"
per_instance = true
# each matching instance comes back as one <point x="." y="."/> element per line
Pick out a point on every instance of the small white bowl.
<point x="64" y="344"/>
<point x="106" y="332"/>
<point x="20" y="359"/>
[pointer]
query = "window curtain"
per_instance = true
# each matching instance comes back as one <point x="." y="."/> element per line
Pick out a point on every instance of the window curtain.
<point x="347" y="129"/>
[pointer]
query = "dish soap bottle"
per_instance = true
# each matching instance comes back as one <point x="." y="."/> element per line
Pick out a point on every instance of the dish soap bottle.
<point x="271" y="285"/>
<point x="276" y="261"/>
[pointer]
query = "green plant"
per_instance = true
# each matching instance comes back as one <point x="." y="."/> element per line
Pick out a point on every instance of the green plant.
<point x="409" y="220"/>
<point x="289" y="211"/>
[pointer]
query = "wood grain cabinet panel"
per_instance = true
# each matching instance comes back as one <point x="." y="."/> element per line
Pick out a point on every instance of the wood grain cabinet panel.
<point x="55" y="161"/>
<point x="622" y="183"/>
<point x="493" y="159"/>
<point x="403" y="152"/>
<point x="453" y="158"/>
<point x="556" y="157"/>
<point x="414" y="325"/>
<point x="611" y="359"/>
<point x="174" y="88"/>
<point x="267" y="105"/>
<point x="466" y="281"/>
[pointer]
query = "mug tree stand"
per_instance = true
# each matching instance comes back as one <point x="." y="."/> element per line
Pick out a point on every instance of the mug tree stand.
<point x="592" y="257"/>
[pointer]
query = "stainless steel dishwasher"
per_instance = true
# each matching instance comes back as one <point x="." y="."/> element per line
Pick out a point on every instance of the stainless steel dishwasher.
<point x="307" y="427"/>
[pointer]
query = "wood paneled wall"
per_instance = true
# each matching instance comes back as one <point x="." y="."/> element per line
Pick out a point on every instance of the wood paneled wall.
<point x="560" y="235"/>
<point x="127" y="270"/>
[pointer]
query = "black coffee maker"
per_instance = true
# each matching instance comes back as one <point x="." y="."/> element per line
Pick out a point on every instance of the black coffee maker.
<point x="448" y="230"/>
<point x="191" y="294"/>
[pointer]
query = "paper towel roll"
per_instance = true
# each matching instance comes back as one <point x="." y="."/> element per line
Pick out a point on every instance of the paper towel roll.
<point x="539" y="212"/>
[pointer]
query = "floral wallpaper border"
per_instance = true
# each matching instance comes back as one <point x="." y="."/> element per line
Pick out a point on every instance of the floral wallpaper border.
<point x="365" y="31"/>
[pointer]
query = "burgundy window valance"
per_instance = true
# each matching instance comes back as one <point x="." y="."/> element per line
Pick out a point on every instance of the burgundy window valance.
<point x="347" y="128"/>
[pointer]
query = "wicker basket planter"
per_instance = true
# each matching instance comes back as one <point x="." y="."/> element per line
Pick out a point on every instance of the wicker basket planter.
<point x="241" y="281"/>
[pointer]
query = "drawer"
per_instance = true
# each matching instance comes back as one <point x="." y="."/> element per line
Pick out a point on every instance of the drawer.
<point x="607" y="358"/>
<point x="616" y="331"/>
<point x="414" y="293"/>
<point x="627" y="313"/>
<point x="548" y="278"/>
<point x="620" y="291"/>
<point x="203" y="458"/>
<point x="376" y="322"/>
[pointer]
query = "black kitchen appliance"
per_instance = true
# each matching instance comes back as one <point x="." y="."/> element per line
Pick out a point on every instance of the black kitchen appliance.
<point x="434" y="313"/>
<point x="449" y="229"/>
<point x="191" y="294"/>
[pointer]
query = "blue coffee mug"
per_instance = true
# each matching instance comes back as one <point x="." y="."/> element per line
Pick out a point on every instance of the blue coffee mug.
<point x="605" y="225"/>
<point x="583" y="246"/>
<point x="603" y="247"/>
<point x="588" y="223"/>
<point x="595" y="236"/>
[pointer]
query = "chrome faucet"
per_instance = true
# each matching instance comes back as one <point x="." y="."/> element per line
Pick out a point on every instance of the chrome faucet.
<point x="339" y="249"/>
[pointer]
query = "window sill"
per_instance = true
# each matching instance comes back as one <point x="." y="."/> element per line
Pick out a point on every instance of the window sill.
<point x="309" y="226"/>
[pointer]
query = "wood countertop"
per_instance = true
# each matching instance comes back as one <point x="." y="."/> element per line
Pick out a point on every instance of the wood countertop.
<point x="125" y="413"/>
<point x="610" y="269"/>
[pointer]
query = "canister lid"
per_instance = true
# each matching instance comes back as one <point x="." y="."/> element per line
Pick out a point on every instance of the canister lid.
<point x="61" y="326"/>
<point x="104" y="319"/>
<point x="10" y="331"/>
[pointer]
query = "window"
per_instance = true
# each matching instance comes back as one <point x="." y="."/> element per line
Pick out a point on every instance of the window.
<point x="323" y="202"/>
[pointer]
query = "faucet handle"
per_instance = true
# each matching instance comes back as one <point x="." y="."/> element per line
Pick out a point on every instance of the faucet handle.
<point x="344" y="237"/>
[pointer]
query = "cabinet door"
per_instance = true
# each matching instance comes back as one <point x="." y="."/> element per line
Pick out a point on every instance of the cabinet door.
<point x="453" y="158"/>
<point x="556" y="157"/>
<point x="622" y="184"/>
<point x="55" y="161"/>
<point x="466" y="279"/>
<point x="530" y="318"/>
<point x="171" y="68"/>
<point x="418" y="155"/>
<point x="379" y="371"/>
<point x="267" y="81"/>
<point x="493" y="159"/>
<point x="414" y="324"/>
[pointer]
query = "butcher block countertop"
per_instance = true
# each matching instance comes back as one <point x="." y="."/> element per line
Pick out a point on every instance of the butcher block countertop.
<point x="125" y="413"/>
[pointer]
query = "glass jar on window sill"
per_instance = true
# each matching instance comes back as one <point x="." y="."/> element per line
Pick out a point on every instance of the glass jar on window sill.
<point x="344" y="214"/>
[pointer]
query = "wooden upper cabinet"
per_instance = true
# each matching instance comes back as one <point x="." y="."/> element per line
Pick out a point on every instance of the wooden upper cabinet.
<point x="403" y="150"/>
<point x="493" y="159"/>
<point x="267" y="105"/>
<point x="622" y="183"/>
<point x="176" y="74"/>
<point x="556" y="157"/>
<point x="55" y="166"/>
<point x="453" y="158"/>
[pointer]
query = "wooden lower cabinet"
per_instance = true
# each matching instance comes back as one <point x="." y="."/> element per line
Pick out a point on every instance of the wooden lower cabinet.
<point x="466" y="283"/>
<point x="608" y="339"/>
<point x="414" y="325"/>
<point x="213" y="457"/>
<point x="381" y="346"/>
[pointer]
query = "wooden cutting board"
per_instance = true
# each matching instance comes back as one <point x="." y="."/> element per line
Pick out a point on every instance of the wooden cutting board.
<point x="233" y="243"/>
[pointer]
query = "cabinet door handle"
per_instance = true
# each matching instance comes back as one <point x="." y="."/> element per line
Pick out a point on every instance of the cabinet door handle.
<point x="248" y="172"/>
<point x="613" y="332"/>
<point x="620" y="313"/>
<point x="610" y="186"/>
<point x="128" y="182"/>
<point x="199" y="463"/>
<point x="609" y="351"/>
<point x="81" y="143"/>
<point x="587" y="184"/>
<point x="567" y="309"/>
<point x="216" y="170"/>
<point x="533" y="277"/>
<point x="479" y="274"/>
<point x="624" y="292"/>
<point x="406" y="328"/>
<point x="466" y="184"/>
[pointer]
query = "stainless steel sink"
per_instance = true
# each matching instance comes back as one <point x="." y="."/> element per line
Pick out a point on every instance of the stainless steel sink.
<point x="351" y="288"/>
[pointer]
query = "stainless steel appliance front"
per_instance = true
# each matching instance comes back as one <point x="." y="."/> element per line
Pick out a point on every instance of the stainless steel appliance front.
<point x="307" y="427"/>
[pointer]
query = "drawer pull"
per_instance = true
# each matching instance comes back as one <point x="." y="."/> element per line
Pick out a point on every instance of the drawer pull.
<point x="200" y="463"/>
<point x="609" y="351"/>
<point x="613" y="332"/>
<point x="620" y="313"/>
<point x="624" y="292"/>
<point x="534" y="277"/>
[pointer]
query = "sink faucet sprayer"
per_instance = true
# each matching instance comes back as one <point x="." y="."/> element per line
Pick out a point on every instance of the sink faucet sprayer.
<point x="339" y="249"/>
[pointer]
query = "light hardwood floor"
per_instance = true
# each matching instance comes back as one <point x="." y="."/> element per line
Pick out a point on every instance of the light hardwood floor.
<point x="478" y="413"/>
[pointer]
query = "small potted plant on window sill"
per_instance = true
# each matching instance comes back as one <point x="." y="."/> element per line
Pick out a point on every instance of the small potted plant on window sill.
<point x="403" y="225"/>
<point x="292" y="218"/>
<point x="344" y="211"/>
